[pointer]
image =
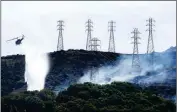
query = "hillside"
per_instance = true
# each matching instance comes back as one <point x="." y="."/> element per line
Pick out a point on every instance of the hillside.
<point x="88" y="97"/>
<point x="69" y="66"/>
<point x="64" y="65"/>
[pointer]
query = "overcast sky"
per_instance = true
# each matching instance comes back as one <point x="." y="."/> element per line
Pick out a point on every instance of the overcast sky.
<point x="37" y="20"/>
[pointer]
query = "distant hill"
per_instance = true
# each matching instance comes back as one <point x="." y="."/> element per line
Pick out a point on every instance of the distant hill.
<point x="68" y="66"/>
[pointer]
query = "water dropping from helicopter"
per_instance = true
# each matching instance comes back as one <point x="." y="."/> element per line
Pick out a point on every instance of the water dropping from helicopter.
<point x="36" y="64"/>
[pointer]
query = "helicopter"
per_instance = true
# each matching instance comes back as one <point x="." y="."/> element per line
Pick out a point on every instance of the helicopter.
<point x="18" y="40"/>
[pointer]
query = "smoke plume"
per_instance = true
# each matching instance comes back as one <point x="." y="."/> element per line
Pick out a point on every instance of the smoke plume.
<point x="105" y="75"/>
<point x="123" y="71"/>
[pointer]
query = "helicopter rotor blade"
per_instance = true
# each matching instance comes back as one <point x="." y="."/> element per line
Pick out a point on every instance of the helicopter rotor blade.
<point x="13" y="39"/>
<point x="23" y="36"/>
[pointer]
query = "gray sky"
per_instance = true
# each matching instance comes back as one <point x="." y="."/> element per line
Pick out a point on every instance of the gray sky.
<point x="37" y="20"/>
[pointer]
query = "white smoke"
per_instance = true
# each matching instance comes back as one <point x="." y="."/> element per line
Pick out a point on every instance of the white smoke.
<point x="105" y="75"/>
<point x="36" y="67"/>
<point x="155" y="79"/>
<point x="123" y="72"/>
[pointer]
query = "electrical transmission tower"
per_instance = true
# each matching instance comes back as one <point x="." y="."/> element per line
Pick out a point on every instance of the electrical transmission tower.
<point x="94" y="44"/>
<point x="135" y="58"/>
<point x="111" y="38"/>
<point x="150" y="46"/>
<point x="89" y="29"/>
<point x="60" y="45"/>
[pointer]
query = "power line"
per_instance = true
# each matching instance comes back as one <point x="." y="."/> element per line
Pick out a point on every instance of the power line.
<point x="150" y="45"/>
<point x="135" y="57"/>
<point x="60" y="45"/>
<point x="111" y="26"/>
<point x="89" y="29"/>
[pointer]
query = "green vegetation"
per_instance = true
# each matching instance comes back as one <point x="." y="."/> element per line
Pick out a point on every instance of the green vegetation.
<point x="43" y="101"/>
<point x="12" y="73"/>
<point x="88" y="97"/>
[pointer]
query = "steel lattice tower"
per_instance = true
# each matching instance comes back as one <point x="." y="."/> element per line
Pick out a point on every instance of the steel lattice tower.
<point x="135" y="57"/>
<point x="111" y="27"/>
<point x="89" y="26"/>
<point x="60" y="45"/>
<point x="94" y="44"/>
<point x="150" y="46"/>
